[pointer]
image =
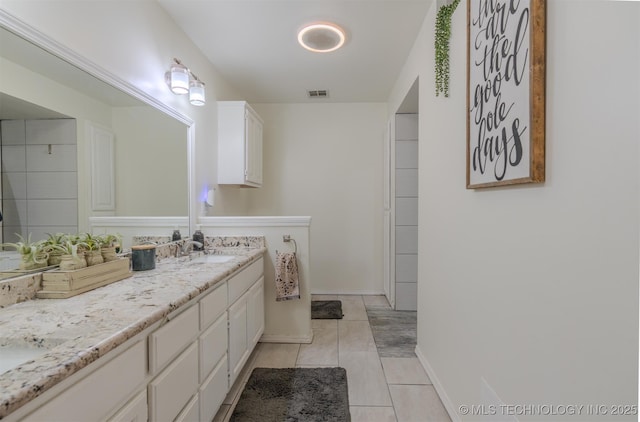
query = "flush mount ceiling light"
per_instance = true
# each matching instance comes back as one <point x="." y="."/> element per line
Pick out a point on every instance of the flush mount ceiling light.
<point x="321" y="37"/>
<point x="182" y="81"/>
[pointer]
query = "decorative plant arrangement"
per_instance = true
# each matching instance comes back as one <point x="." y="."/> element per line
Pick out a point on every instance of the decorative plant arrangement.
<point x="73" y="253"/>
<point x="53" y="246"/>
<point x="443" y="33"/>
<point x="69" y="251"/>
<point x="32" y="254"/>
<point x="109" y="244"/>
<point x="83" y="267"/>
<point x="93" y="254"/>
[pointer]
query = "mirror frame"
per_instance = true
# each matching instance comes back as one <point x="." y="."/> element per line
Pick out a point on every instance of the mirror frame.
<point x="34" y="36"/>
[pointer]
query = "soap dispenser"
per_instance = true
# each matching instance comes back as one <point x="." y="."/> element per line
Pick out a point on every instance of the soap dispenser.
<point x="176" y="235"/>
<point x="198" y="236"/>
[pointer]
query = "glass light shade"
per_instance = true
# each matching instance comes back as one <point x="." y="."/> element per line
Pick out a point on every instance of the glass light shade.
<point x="321" y="37"/>
<point x="196" y="93"/>
<point x="179" y="80"/>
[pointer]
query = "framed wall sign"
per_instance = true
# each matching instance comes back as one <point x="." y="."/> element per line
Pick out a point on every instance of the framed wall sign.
<point x="505" y="92"/>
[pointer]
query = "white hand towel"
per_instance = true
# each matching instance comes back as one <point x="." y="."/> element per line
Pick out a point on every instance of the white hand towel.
<point x="287" y="276"/>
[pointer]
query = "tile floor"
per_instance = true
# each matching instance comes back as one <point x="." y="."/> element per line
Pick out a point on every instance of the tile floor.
<point x="381" y="389"/>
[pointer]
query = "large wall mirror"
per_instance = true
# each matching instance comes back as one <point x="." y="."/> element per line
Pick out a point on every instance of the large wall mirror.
<point x="75" y="147"/>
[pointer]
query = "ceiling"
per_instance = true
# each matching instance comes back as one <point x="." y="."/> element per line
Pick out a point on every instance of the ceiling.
<point x="253" y="45"/>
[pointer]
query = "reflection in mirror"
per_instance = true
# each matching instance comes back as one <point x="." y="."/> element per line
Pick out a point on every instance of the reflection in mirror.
<point x="74" y="147"/>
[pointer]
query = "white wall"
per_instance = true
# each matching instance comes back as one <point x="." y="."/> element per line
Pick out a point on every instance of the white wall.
<point x="325" y="160"/>
<point x="150" y="162"/>
<point x="286" y="321"/>
<point x="535" y="288"/>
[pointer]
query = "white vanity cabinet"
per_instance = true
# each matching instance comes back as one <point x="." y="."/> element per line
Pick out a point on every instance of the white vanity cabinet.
<point x="246" y="325"/>
<point x="238" y="345"/>
<point x="180" y="369"/>
<point x="239" y="144"/>
<point x="205" y="340"/>
<point x="255" y="313"/>
<point x="246" y="315"/>
<point x="213" y="346"/>
<point x="173" y="361"/>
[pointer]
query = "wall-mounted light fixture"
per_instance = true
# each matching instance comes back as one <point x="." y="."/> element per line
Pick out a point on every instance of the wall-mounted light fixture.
<point x="196" y="91"/>
<point x="182" y="81"/>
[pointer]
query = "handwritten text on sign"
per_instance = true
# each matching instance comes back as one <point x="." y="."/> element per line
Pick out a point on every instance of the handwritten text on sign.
<point x="499" y="122"/>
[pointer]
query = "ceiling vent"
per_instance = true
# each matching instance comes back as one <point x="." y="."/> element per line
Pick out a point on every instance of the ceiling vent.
<point x="318" y="93"/>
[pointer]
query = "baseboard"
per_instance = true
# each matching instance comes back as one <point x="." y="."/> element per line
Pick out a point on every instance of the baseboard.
<point x="267" y="338"/>
<point x="350" y="293"/>
<point x="114" y="221"/>
<point x="446" y="401"/>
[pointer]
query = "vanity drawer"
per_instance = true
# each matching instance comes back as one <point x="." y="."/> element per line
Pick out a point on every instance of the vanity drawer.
<point x="135" y="411"/>
<point x="213" y="305"/>
<point x="213" y="391"/>
<point x="241" y="282"/>
<point x="168" y="341"/>
<point x="170" y="391"/>
<point x="190" y="413"/>
<point x="213" y="345"/>
<point x="112" y="383"/>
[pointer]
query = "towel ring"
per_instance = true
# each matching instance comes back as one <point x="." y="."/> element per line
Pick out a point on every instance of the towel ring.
<point x="287" y="238"/>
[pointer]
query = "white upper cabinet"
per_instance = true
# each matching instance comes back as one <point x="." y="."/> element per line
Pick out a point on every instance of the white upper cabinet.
<point x="239" y="144"/>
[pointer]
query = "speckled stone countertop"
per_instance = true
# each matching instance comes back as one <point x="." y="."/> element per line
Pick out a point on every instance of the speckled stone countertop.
<point x="76" y="331"/>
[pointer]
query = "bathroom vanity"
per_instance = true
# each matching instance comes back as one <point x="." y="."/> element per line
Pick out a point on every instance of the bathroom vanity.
<point x="164" y="344"/>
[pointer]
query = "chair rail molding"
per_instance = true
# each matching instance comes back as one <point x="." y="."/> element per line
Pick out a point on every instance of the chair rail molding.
<point x="263" y="221"/>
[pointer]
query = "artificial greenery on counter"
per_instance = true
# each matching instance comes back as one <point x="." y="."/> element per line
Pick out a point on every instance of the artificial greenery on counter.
<point x="443" y="33"/>
<point x="40" y="253"/>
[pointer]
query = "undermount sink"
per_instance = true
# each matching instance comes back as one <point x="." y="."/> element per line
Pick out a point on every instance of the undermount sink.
<point x="14" y="352"/>
<point x="214" y="259"/>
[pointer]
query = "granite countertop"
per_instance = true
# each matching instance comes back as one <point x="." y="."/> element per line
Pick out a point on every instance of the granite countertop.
<point x="77" y="331"/>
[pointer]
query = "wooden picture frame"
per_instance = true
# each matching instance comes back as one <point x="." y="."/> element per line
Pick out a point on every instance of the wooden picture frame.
<point x="505" y="92"/>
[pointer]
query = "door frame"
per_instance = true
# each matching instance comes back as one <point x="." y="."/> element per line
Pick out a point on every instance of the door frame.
<point x="389" y="236"/>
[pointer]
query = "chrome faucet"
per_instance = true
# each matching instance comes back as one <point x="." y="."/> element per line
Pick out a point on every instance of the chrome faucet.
<point x="187" y="247"/>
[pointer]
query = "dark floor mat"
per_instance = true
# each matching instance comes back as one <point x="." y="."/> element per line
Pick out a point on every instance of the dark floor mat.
<point x="294" y="394"/>
<point x="326" y="309"/>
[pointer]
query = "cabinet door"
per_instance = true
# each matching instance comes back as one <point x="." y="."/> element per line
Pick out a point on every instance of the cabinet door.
<point x="169" y="340"/>
<point x="135" y="411"/>
<point x="253" y="158"/>
<point x="238" y="351"/>
<point x="170" y="391"/>
<point x="213" y="346"/>
<point x="191" y="412"/>
<point x="255" y="313"/>
<point x="213" y="391"/>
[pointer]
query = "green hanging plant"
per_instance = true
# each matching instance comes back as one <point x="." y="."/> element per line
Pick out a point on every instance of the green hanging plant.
<point x="443" y="33"/>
